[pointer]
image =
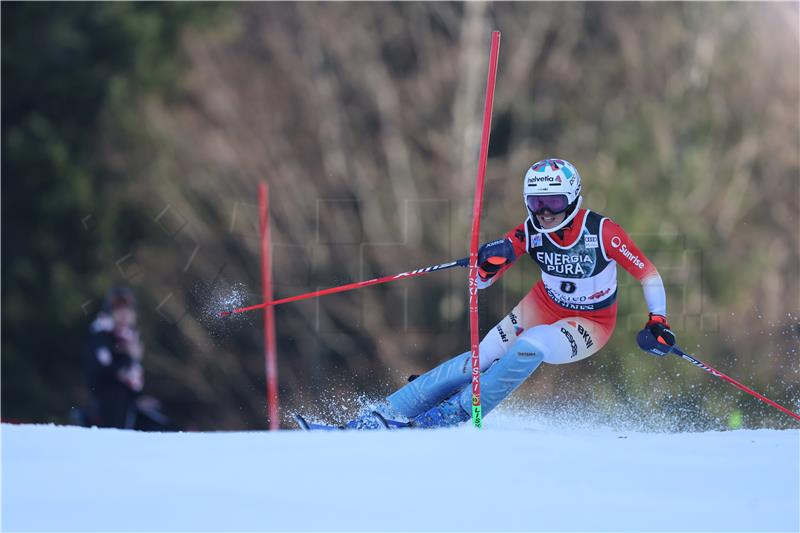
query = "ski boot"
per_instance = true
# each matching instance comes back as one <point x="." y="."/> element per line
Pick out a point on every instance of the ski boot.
<point x="446" y="414"/>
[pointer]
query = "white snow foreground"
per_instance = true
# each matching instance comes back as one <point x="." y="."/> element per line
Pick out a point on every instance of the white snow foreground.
<point x="498" y="479"/>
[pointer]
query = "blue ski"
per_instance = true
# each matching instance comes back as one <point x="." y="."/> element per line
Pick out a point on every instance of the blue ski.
<point x="387" y="423"/>
<point x="309" y="426"/>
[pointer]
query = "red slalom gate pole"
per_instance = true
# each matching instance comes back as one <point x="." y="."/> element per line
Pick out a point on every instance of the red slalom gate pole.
<point x="474" y="331"/>
<point x="714" y="372"/>
<point x="270" y="355"/>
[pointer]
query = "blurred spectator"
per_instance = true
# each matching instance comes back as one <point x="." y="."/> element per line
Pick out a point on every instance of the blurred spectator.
<point x="113" y="366"/>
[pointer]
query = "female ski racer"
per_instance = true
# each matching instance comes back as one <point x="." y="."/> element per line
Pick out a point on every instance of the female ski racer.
<point x="567" y="316"/>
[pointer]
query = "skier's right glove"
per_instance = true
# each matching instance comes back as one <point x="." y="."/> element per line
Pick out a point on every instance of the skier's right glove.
<point x="656" y="338"/>
<point x="493" y="256"/>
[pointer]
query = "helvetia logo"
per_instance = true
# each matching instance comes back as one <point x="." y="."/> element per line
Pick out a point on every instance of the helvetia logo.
<point x="533" y="180"/>
<point x="517" y="329"/>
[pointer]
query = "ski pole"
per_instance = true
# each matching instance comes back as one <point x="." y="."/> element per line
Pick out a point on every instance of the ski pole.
<point x="464" y="262"/>
<point x="714" y="372"/>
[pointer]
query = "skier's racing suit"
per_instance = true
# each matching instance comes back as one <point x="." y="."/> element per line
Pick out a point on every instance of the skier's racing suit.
<point x="567" y="316"/>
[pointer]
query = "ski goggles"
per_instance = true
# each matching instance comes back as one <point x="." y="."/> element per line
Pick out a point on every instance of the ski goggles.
<point x="554" y="203"/>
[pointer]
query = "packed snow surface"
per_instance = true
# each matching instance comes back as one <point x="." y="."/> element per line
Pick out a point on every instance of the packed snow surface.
<point x="514" y="475"/>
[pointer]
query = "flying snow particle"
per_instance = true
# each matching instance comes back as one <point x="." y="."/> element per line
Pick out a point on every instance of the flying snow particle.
<point x="221" y="298"/>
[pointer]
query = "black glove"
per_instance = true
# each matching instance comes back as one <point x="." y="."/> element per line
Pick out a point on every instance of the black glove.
<point x="656" y="338"/>
<point x="493" y="256"/>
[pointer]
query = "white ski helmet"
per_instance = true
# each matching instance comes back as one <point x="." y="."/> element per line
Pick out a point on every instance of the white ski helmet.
<point x="553" y="185"/>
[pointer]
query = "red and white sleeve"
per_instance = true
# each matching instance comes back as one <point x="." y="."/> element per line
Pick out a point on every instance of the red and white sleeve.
<point x="617" y="245"/>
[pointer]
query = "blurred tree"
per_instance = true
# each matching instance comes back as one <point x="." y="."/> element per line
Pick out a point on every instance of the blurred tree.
<point x="63" y="66"/>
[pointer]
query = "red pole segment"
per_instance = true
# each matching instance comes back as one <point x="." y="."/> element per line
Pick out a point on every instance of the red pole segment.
<point x="714" y="372"/>
<point x="474" y="332"/>
<point x="350" y="286"/>
<point x="270" y="355"/>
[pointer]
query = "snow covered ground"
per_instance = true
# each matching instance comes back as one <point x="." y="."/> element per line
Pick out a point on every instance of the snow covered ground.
<point x="511" y="476"/>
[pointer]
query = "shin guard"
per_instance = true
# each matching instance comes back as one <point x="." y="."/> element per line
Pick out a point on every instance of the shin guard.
<point x="503" y="377"/>
<point x="432" y="387"/>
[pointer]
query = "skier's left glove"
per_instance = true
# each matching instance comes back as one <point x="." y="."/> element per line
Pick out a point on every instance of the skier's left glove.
<point x="656" y="338"/>
<point x="493" y="256"/>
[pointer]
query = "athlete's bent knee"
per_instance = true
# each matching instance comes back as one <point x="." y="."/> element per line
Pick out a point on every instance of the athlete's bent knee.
<point x="537" y="337"/>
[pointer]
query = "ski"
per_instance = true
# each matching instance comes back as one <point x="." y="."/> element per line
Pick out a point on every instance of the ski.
<point x="309" y="426"/>
<point x="389" y="424"/>
<point x="382" y="423"/>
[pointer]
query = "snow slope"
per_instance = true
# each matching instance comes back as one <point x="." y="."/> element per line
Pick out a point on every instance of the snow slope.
<point x="499" y="479"/>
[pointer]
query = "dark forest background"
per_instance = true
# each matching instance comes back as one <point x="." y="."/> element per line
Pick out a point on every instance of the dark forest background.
<point x="134" y="136"/>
